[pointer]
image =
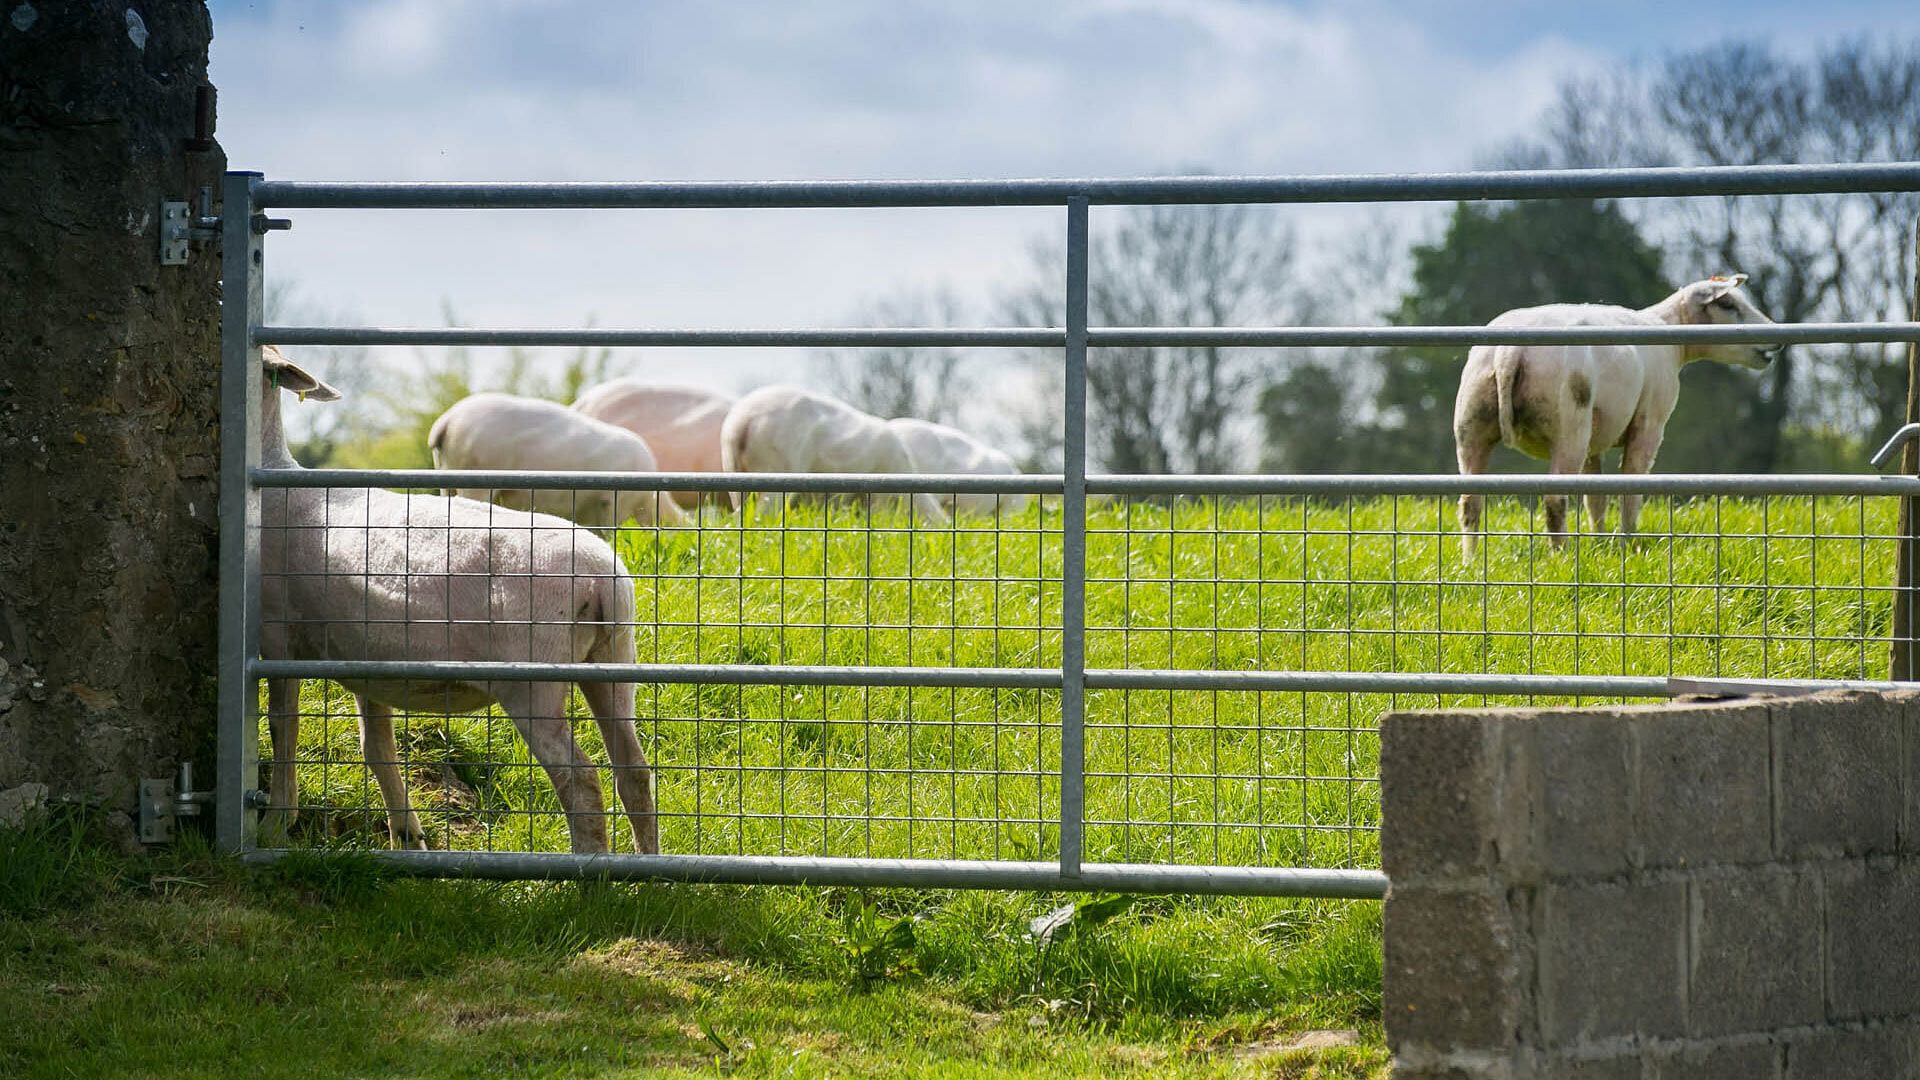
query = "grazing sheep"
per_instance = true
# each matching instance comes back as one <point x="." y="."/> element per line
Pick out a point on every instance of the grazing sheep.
<point x="1569" y="404"/>
<point x="501" y="431"/>
<point x="786" y="429"/>
<point x="371" y="574"/>
<point x="680" y="423"/>
<point x="937" y="448"/>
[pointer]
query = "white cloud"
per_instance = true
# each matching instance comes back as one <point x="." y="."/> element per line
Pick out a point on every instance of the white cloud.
<point x="497" y="90"/>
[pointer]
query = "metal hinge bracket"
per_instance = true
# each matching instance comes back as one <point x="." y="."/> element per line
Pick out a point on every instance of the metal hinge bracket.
<point x="180" y="228"/>
<point x="164" y="800"/>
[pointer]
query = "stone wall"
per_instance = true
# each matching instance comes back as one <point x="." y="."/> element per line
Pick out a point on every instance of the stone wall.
<point x="1700" y="890"/>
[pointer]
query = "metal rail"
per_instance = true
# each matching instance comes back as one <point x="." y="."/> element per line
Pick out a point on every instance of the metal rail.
<point x="1097" y="337"/>
<point x="1431" y="187"/>
<point x="885" y="873"/>
<point x="1065" y="628"/>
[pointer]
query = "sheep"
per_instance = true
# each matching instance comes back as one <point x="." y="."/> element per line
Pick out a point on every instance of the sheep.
<point x="680" y="423"/>
<point x="937" y="448"/>
<point x="787" y="429"/>
<point x="371" y="574"/>
<point x="1569" y="404"/>
<point x="501" y="431"/>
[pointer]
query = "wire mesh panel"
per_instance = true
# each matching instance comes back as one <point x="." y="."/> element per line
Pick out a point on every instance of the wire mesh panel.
<point x="1763" y="587"/>
<point x="1152" y="683"/>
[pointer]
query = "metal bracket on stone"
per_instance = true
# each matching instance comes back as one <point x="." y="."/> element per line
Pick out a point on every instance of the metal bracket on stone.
<point x="164" y="801"/>
<point x="180" y="228"/>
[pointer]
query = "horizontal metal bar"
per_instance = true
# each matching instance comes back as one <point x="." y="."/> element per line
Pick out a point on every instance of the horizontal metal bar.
<point x="1383" y="187"/>
<point x="1427" y="683"/>
<point x="878" y="873"/>
<point x="1311" y="336"/>
<point x="607" y="337"/>
<point x="845" y="483"/>
<point x="1756" y="687"/>
<point x="1337" y="484"/>
<point x="1098" y="337"/>
<point x="730" y="674"/>
<point x="1345" y="682"/>
<point x="1318" y="485"/>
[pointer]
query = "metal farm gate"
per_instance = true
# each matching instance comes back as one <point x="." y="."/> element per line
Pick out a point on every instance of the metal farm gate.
<point x="1174" y="689"/>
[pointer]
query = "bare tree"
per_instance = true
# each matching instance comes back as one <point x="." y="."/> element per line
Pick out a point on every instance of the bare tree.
<point x="932" y="384"/>
<point x="1189" y="408"/>
<point x="1843" y="257"/>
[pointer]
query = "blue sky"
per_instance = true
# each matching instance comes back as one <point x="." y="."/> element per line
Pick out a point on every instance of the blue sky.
<point x="446" y="90"/>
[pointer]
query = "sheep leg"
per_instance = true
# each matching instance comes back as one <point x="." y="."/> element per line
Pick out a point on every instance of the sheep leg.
<point x="930" y="508"/>
<point x="283" y="721"/>
<point x="1561" y="464"/>
<point x="540" y="715"/>
<point x="1637" y="458"/>
<point x="1596" y="501"/>
<point x="612" y="705"/>
<point x="383" y="757"/>
<point x="1474" y="457"/>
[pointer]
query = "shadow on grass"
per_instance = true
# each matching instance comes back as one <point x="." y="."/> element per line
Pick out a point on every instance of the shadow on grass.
<point x="184" y="964"/>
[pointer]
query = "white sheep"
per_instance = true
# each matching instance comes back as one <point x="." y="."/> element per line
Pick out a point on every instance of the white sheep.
<point x="937" y="448"/>
<point x="1569" y="404"/>
<point x="784" y="429"/>
<point x="502" y="431"/>
<point x="371" y="574"/>
<point x="680" y="423"/>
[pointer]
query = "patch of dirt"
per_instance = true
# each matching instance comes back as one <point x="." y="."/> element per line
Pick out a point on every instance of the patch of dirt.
<point x="683" y="969"/>
<point x="484" y="1016"/>
<point x="1303" y="1041"/>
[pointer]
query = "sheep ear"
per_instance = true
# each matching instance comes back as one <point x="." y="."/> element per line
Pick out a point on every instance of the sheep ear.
<point x="1726" y="283"/>
<point x="290" y="376"/>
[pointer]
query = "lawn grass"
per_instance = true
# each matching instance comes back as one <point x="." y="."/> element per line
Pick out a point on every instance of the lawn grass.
<point x="1782" y="587"/>
<point x="366" y="975"/>
<point x="180" y="964"/>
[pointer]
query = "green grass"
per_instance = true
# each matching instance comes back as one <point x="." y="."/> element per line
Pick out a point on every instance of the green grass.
<point x="365" y="975"/>
<point x="181" y="965"/>
<point x="1786" y="587"/>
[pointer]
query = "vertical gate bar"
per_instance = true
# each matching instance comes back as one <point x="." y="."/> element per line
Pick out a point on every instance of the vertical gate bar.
<point x="238" y="717"/>
<point x="1073" y="551"/>
<point x="1901" y="665"/>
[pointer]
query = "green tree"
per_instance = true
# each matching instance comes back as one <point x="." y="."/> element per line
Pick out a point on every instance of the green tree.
<point x="1491" y="259"/>
<point x="1812" y="257"/>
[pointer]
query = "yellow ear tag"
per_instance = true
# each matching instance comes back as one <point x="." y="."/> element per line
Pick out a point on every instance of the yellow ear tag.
<point x="302" y="393"/>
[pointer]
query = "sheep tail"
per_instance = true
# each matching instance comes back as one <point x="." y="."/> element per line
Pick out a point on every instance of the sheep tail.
<point x="613" y="607"/>
<point x="1506" y="383"/>
<point x="733" y="452"/>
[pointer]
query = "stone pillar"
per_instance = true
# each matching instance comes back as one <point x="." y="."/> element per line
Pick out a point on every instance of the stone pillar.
<point x="109" y="377"/>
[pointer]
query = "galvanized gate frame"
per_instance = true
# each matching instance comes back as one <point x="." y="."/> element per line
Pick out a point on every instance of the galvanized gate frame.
<point x="243" y="227"/>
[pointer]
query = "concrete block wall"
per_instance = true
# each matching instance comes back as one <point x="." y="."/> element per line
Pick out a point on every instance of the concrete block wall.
<point x="1702" y="890"/>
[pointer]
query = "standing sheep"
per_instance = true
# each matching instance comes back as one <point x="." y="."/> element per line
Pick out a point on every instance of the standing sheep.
<point x="1569" y="404"/>
<point x="501" y="431"/>
<point x="681" y="424"/>
<point x="784" y="429"/>
<point x="937" y="448"/>
<point x="371" y="574"/>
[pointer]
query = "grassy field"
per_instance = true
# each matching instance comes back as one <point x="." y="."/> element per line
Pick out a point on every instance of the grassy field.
<point x="352" y="974"/>
<point x="183" y="965"/>
<point x="1788" y="587"/>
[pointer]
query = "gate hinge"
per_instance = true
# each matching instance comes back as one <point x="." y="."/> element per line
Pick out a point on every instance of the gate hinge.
<point x="180" y="228"/>
<point x="163" y="801"/>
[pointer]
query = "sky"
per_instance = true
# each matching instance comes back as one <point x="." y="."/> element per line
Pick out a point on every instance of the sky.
<point x="774" y="89"/>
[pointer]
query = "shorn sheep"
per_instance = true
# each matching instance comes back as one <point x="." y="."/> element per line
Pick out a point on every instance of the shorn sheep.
<point x="370" y="574"/>
<point x="1569" y="404"/>
<point x="680" y="423"/>
<point x="937" y="448"/>
<point x="503" y="431"/>
<point x="784" y="429"/>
